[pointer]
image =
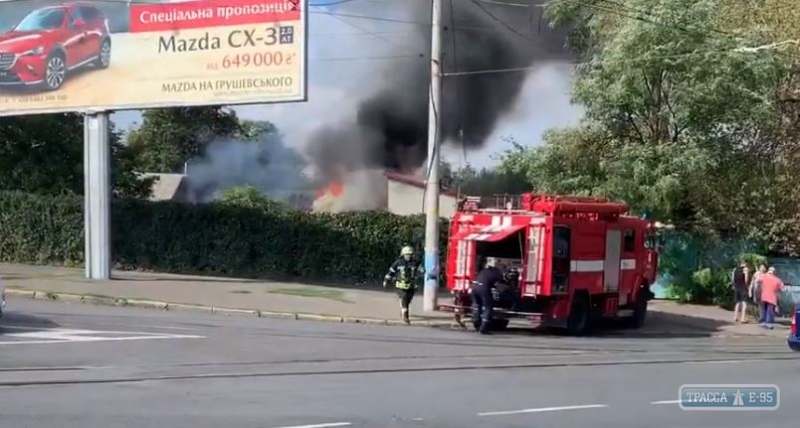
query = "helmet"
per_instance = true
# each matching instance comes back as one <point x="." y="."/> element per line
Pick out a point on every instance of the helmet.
<point x="407" y="251"/>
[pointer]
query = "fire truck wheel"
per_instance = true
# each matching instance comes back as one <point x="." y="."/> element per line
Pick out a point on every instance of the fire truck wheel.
<point x="499" y="325"/>
<point x="579" y="318"/>
<point x="639" y="310"/>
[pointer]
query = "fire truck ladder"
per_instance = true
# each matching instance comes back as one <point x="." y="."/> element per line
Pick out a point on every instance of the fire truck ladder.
<point x="590" y="208"/>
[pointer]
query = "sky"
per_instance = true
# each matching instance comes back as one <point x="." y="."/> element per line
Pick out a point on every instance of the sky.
<point x="346" y="54"/>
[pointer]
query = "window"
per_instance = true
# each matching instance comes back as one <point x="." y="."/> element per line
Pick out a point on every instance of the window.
<point x="629" y="242"/>
<point x="75" y="16"/>
<point x="650" y="240"/>
<point x="561" y="259"/>
<point x="89" y="13"/>
<point x="561" y="241"/>
<point x="43" y="19"/>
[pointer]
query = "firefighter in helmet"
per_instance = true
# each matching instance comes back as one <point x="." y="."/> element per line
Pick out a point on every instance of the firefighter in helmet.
<point x="482" y="298"/>
<point x="406" y="273"/>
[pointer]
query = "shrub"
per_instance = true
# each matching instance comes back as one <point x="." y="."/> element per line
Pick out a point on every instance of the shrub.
<point x="711" y="285"/>
<point x="237" y="237"/>
<point x="249" y="196"/>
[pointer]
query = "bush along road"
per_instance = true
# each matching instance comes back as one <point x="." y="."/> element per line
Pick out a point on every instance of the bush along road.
<point x="212" y="239"/>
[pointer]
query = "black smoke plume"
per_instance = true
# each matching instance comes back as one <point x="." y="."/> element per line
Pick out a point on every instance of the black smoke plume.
<point x="390" y="130"/>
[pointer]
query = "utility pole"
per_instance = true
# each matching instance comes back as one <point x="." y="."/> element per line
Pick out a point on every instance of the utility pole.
<point x="432" y="185"/>
<point x="97" y="195"/>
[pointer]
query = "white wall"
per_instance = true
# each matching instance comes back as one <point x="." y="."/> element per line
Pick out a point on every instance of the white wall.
<point x="405" y="199"/>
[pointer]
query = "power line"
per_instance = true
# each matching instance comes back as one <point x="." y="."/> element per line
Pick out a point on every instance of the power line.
<point x="740" y="50"/>
<point x="366" y="58"/>
<point x="378" y="36"/>
<point x="529" y="68"/>
<point x="604" y="6"/>
<point x="355" y="33"/>
<point x="332" y="3"/>
<point x="494" y="2"/>
<point x="609" y="9"/>
<point x="457" y="82"/>
<point x="397" y="21"/>
<point x="499" y="21"/>
<point x="587" y="3"/>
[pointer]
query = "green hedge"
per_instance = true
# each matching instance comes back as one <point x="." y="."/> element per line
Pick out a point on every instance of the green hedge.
<point x="713" y="285"/>
<point x="221" y="239"/>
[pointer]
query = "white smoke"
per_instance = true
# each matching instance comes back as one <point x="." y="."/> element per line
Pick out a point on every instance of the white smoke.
<point x="266" y="164"/>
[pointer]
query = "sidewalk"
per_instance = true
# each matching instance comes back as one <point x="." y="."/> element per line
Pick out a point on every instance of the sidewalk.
<point x="294" y="300"/>
<point x="697" y="315"/>
<point x="269" y="297"/>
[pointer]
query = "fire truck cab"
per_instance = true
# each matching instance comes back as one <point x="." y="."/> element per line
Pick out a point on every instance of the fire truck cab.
<point x="573" y="260"/>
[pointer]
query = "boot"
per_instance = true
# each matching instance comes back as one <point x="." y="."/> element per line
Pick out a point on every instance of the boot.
<point x="404" y="314"/>
<point x="486" y="327"/>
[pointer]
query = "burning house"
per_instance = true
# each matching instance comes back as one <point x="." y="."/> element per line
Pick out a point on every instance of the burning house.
<point x="389" y="128"/>
<point x="397" y="193"/>
<point x="346" y="157"/>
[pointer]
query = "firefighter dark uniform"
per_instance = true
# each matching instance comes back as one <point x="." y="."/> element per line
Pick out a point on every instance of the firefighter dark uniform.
<point x="406" y="273"/>
<point x="482" y="299"/>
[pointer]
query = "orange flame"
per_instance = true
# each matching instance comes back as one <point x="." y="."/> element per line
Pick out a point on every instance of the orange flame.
<point x="334" y="189"/>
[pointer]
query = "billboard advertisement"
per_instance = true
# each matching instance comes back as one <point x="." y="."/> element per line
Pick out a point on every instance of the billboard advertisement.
<point x="115" y="55"/>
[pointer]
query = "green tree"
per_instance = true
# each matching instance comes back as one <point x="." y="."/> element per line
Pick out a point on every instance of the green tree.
<point x="44" y="154"/>
<point x="775" y="22"/>
<point x="690" y="116"/>
<point x="168" y="138"/>
<point x="490" y="182"/>
<point x="127" y="180"/>
<point x="673" y="108"/>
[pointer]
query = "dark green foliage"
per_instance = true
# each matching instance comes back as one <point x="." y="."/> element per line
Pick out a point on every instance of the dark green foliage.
<point x="44" y="154"/>
<point x="239" y="240"/>
<point x="168" y="138"/>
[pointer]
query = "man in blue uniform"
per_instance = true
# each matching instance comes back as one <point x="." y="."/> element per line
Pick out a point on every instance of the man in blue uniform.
<point x="482" y="298"/>
<point x="406" y="272"/>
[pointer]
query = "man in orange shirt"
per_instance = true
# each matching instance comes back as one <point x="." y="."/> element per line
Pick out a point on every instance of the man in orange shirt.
<point x="771" y="286"/>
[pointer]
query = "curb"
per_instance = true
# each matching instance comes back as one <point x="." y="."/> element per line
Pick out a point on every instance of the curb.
<point x="166" y="306"/>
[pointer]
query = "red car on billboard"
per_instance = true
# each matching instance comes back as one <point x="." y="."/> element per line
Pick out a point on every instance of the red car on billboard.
<point x="49" y="42"/>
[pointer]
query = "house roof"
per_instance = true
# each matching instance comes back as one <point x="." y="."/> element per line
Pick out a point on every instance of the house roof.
<point x="415" y="182"/>
<point x="166" y="187"/>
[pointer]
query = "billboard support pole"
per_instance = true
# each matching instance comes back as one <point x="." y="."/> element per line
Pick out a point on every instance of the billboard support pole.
<point x="97" y="195"/>
<point x="431" y="290"/>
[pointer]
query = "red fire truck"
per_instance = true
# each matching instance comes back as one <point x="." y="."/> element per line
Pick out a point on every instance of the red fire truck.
<point x="575" y="260"/>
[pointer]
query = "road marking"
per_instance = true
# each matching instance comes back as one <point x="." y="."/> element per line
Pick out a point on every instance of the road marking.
<point x="720" y="362"/>
<point x="63" y="335"/>
<point x="666" y="402"/>
<point x="154" y="327"/>
<point x="544" y="409"/>
<point x="330" y="425"/>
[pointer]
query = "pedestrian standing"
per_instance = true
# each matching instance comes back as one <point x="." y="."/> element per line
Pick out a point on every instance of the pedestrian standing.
<point x="755" y="290"/>
<point x="771" y="286"/>
<point x="739" y="281"/>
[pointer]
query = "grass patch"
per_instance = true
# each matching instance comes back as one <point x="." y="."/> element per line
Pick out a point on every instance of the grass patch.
<point x="320" y="293"/>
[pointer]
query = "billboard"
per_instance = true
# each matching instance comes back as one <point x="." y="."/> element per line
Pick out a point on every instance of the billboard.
<point x="116" y="55"/>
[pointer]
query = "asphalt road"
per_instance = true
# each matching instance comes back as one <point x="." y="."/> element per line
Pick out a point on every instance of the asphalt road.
<point x="88" y="366"/>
